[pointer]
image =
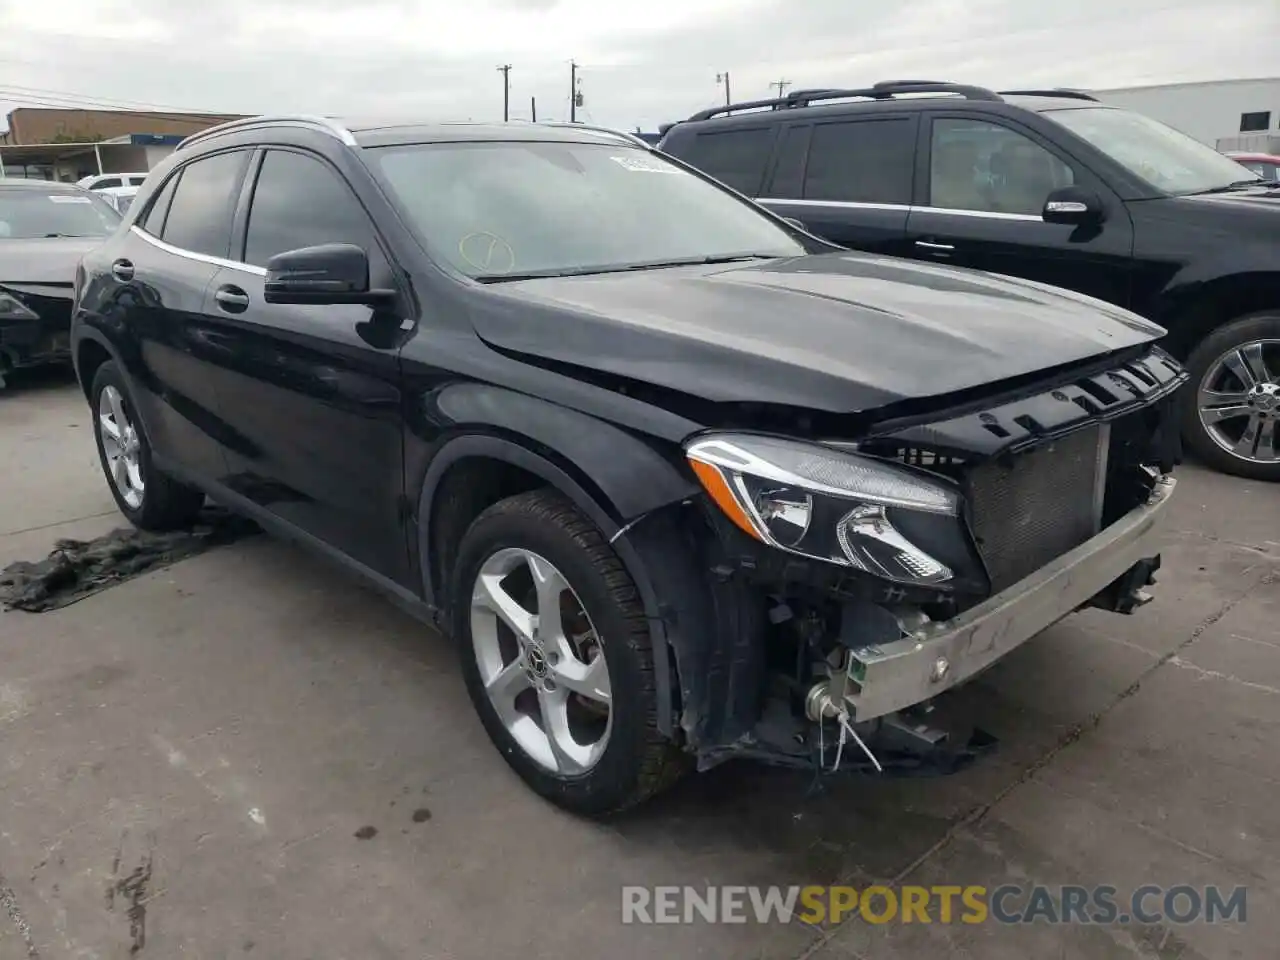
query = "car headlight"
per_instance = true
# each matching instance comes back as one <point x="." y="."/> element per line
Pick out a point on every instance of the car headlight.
<point x="825" y="504"/>
<point x="11" y="308"/>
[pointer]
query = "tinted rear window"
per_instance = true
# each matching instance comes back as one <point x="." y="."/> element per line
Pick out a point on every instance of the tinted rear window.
<point x="734" y="157"/>
<point x="200" y="214"/>
<point x="861" y="161"/>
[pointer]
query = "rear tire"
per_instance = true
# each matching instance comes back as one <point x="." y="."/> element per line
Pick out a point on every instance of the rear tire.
<point x="149" y="499"/>
<point x="632" y="760"/>
<point x="1238" y="445"/>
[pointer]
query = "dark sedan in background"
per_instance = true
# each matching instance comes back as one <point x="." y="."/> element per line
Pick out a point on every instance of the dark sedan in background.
<point x="45" y="228"/>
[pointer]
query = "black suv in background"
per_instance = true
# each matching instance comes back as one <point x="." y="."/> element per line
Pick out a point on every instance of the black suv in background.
<point x="683" y="481"/>
<point x="1051" y="186"/>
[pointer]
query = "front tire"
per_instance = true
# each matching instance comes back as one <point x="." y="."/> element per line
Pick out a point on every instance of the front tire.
<point x="148" y="499"/>
<point x="557" y="658"/>
<point x="1231" y="405"/>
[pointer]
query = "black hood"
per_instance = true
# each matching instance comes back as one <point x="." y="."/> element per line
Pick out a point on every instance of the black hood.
<point x="838" y="332"/>
<point x="45" y="262"/>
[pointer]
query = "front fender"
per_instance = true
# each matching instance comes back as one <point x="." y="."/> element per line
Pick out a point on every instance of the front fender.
<point x="613" y="476"/>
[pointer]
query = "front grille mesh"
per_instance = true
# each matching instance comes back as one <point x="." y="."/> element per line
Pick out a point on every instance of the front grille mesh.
<point x="1028" y="512"/>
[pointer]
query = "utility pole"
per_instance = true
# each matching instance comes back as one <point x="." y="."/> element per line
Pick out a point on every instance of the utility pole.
<point x="573" y="92"/>
<point x="782" y="87"/>
<point x="533" y="108"/>
<point x="505" y="70"/>
<point x="724" y="78"/>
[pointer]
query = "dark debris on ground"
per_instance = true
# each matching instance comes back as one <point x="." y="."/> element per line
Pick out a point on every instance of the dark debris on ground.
<point x="76" y="569"/>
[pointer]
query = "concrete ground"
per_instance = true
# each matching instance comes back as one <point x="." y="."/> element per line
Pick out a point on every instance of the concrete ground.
<point x="247" y="754"/>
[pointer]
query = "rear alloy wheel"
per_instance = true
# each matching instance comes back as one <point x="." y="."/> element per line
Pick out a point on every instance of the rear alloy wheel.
<point x="121" y="448"/>
<point x="1233" y="402"/>
<point x="148" y="498"/>
<point x="556" y="654"/>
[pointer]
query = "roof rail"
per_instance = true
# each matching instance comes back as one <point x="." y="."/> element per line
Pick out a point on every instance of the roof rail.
<point x="621" y="134"/>
<point x="881" y="91"/>
<point x="322" y="124"/>
<point x="1056" y="92"/>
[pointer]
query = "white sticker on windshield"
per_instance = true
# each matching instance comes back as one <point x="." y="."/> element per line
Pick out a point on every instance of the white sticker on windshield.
<point x="645" y="165"/>
<point x="67" y="199"/>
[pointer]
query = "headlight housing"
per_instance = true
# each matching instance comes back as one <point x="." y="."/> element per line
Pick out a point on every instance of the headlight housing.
<point x="827" y="505"/>
<point x="11" y="308"/>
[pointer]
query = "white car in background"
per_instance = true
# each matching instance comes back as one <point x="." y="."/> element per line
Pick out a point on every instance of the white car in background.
<point x="108" y="181"/>
<point x="119" y="197"/>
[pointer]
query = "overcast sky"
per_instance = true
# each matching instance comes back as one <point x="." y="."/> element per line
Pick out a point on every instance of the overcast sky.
<point x="642" y="63"/>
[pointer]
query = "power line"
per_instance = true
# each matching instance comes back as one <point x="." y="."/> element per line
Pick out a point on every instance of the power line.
<point x="120" y="102"/>
<point x="194" y="118"/>
<point x="781" y="85"/>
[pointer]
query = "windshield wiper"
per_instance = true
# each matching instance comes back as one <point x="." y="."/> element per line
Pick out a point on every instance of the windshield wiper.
<point x="1239" y="185"/>
<point x="69" y="236"/>
<point x="628" y="268"/>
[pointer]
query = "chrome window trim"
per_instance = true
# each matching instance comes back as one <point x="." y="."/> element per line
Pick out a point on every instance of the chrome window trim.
<point x="198" y="257"/>
<point x="987" y="214"/>
<point x="910" y="208"/>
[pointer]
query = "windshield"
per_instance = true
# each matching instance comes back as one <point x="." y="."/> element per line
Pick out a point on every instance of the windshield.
<point x="32" y="214"/>
<point x="495" y="209"/>
<point x="1170" y="161"/>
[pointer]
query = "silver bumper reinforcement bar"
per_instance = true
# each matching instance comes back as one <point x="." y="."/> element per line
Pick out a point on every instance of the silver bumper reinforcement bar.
<point x="942" y="654"/>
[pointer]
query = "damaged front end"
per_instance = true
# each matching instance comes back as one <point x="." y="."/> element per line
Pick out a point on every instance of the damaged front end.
<point x="35" y="325"/>
<point x="852" y="582"/>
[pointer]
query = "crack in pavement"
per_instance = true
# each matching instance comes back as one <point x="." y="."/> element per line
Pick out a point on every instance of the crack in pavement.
<point x="1077" y="731"/>
<point x="10" y="903"/>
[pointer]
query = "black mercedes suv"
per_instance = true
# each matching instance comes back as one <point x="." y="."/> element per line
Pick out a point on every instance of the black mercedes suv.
<point x="685" y="482"/>
<point x="1048" y="185"/>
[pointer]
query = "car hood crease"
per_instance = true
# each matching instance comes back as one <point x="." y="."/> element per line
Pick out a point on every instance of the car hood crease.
<point x="839" y="332"/>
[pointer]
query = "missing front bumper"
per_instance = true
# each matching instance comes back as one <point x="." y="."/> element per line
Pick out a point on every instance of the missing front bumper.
<point x="893" y="676"/>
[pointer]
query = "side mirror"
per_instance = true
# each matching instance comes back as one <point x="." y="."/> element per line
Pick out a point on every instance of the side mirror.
<point x="330" y="273"/>
<point x="1073" y="205"/>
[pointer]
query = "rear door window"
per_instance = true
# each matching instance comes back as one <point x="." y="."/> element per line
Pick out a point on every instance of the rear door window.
<point x="862" y="161"/>
<point x="105" y="183"/>
<point x="153" y="219"/>
<point x="736" y="158"/>
<point x="788" y="172"/>
<point x="204" y="202"/>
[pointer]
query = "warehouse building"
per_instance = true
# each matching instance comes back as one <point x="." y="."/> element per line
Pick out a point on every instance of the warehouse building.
<point x="57" y="144"/>
<point x="1225" y="114"/>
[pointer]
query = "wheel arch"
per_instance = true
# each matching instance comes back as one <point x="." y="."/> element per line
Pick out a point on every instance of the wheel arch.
<point x="90" y="351"/>
<point x="473" y="470"/>
<point x="1190" y="312"/>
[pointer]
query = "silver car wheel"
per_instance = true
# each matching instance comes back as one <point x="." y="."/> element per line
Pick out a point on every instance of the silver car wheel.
<point x="121" y="447"/>
<point x="541" y="661"/>
<point x="1239" y="401"/>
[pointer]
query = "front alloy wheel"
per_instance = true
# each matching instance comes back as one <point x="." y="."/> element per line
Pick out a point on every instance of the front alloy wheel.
<point x="1231" y="406"/>
<point x="540" y="661"/>
<point x="1239" y="401"/>
<point x="556" y="652"/>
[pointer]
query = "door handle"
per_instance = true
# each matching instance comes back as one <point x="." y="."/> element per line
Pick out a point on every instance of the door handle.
<point x="935" y="247"/>
<point x="231" y="299"/>
<point x="122" y="270"/>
